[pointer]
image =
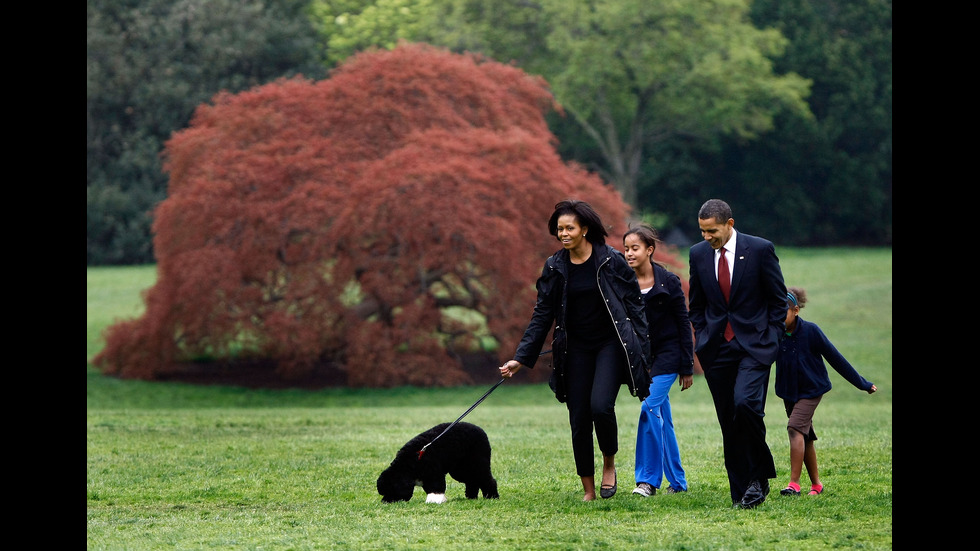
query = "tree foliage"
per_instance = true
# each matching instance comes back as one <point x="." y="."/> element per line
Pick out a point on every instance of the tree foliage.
<point x="825" y="180"/>
<point x="386" y="220"/>
<point x="631" y="72"/>
<point x="822" y="180"/>
<point x="726" y="117"/>
<point x="349" y="26"/>
<point x="843" y="179"/>
<point x="149" y="64"/>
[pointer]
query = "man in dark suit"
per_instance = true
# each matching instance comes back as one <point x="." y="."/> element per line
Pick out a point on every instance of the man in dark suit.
<point x="737" y="321"/>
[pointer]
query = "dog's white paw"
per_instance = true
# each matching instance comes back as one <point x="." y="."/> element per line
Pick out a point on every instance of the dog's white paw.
<point x="435" y="498"/>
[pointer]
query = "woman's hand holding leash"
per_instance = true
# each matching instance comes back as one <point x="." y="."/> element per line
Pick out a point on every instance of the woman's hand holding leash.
<point x="509" y="368"/>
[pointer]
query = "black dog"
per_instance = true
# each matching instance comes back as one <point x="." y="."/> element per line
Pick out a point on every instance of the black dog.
<point x="463" y="453"/>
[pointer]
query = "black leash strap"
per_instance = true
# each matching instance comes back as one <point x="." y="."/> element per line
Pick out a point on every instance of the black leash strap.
<point x="465" y="413"/>
<point x="453" y="424"/>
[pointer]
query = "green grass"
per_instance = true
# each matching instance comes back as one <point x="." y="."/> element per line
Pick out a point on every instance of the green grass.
<point x="176" y="466"/>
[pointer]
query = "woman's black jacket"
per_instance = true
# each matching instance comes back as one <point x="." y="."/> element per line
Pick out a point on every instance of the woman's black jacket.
<point x="621" y="292"/>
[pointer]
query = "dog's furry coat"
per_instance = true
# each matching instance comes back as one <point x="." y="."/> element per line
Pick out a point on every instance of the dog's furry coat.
<point x="463" y="453"/>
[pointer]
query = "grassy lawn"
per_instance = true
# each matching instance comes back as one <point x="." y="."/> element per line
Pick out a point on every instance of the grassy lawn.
<point x="177" y="466"/>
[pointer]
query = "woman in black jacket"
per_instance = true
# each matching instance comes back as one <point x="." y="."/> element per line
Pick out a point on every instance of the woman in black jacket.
<point x="591" y="296"/>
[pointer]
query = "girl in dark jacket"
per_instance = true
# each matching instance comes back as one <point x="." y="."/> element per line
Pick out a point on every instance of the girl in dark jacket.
<point x="672" y="349"/>
<point x="590" y="294"/>
<point x="801" y="381"/>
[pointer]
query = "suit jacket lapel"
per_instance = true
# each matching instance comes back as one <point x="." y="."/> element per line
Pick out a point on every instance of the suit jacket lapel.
<point x="710" y="274"/>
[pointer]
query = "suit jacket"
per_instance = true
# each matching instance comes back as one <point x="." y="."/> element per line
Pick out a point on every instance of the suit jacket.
<point x="757" y="307"/>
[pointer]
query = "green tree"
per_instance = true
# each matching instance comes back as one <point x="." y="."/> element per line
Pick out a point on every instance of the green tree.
<point x="824" y="180"/>
<point x="632" y="73"/>
<point x="835" y="172"/>
<point x="150" y="63"/>
<point x="348" y="26"/>
<point x="388" y="221"/>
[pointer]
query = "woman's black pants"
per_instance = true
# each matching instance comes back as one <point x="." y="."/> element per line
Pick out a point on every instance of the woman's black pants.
<point x="593" y="375"/>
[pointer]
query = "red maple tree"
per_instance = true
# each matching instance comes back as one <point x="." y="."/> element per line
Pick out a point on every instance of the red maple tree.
<point x="385" y="221"/>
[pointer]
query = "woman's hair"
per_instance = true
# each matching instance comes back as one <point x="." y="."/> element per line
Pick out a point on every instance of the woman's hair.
<point x="586" y="217"/>
<point x="795" y="293"/>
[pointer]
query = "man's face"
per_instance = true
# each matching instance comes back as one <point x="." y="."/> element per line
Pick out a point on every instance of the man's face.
<point x="716" y="233"/>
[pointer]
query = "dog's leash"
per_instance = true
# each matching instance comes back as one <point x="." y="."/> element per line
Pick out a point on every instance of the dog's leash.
<point x="465" y="413"/>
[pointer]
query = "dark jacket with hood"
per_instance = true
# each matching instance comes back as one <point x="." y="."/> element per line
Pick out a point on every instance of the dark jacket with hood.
<point x="621" y="293"/>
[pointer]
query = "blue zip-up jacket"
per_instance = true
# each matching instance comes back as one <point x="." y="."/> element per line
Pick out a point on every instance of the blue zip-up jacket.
<point x="621" y="293"/>
<point x="800" y="371"/>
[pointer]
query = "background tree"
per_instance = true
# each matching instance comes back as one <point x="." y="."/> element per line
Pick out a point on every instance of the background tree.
<point x="387" y="220"/>
<point x="811" y="181"/>
<point x="150" y="63"/>
<point x="349" y="26"/>
<point x="834" y="172"/>
<point x="818" y="181"/>
<point x="630" y="72"/>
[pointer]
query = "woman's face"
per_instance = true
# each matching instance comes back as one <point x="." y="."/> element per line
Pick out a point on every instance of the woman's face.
<point x="570" y="233"/>
<point x="637" y="252"/>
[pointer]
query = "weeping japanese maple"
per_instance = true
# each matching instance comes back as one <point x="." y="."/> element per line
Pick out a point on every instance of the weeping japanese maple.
<point x="385" y="222"/>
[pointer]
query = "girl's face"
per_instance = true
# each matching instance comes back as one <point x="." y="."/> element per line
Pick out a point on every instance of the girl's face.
<point x="570" y="233"/>
<point x="637" y="252"/>
<point x="791" y="314"/>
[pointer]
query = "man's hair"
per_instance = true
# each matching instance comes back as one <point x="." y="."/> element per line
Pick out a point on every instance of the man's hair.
<point x="715" y="209"/>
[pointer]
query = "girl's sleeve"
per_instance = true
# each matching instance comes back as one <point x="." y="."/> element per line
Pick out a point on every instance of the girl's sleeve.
<point x="837" y="360"/>
<point x="683" y="321"/>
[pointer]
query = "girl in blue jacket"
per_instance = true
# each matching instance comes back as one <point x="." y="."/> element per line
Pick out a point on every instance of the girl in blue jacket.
<point x="801" y="381"/>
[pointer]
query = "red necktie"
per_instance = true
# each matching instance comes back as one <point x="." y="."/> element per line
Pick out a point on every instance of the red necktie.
<point x="724" y="281"/>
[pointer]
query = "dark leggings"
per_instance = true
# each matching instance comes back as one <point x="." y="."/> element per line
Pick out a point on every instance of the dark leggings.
<point x="593" y="375"/>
